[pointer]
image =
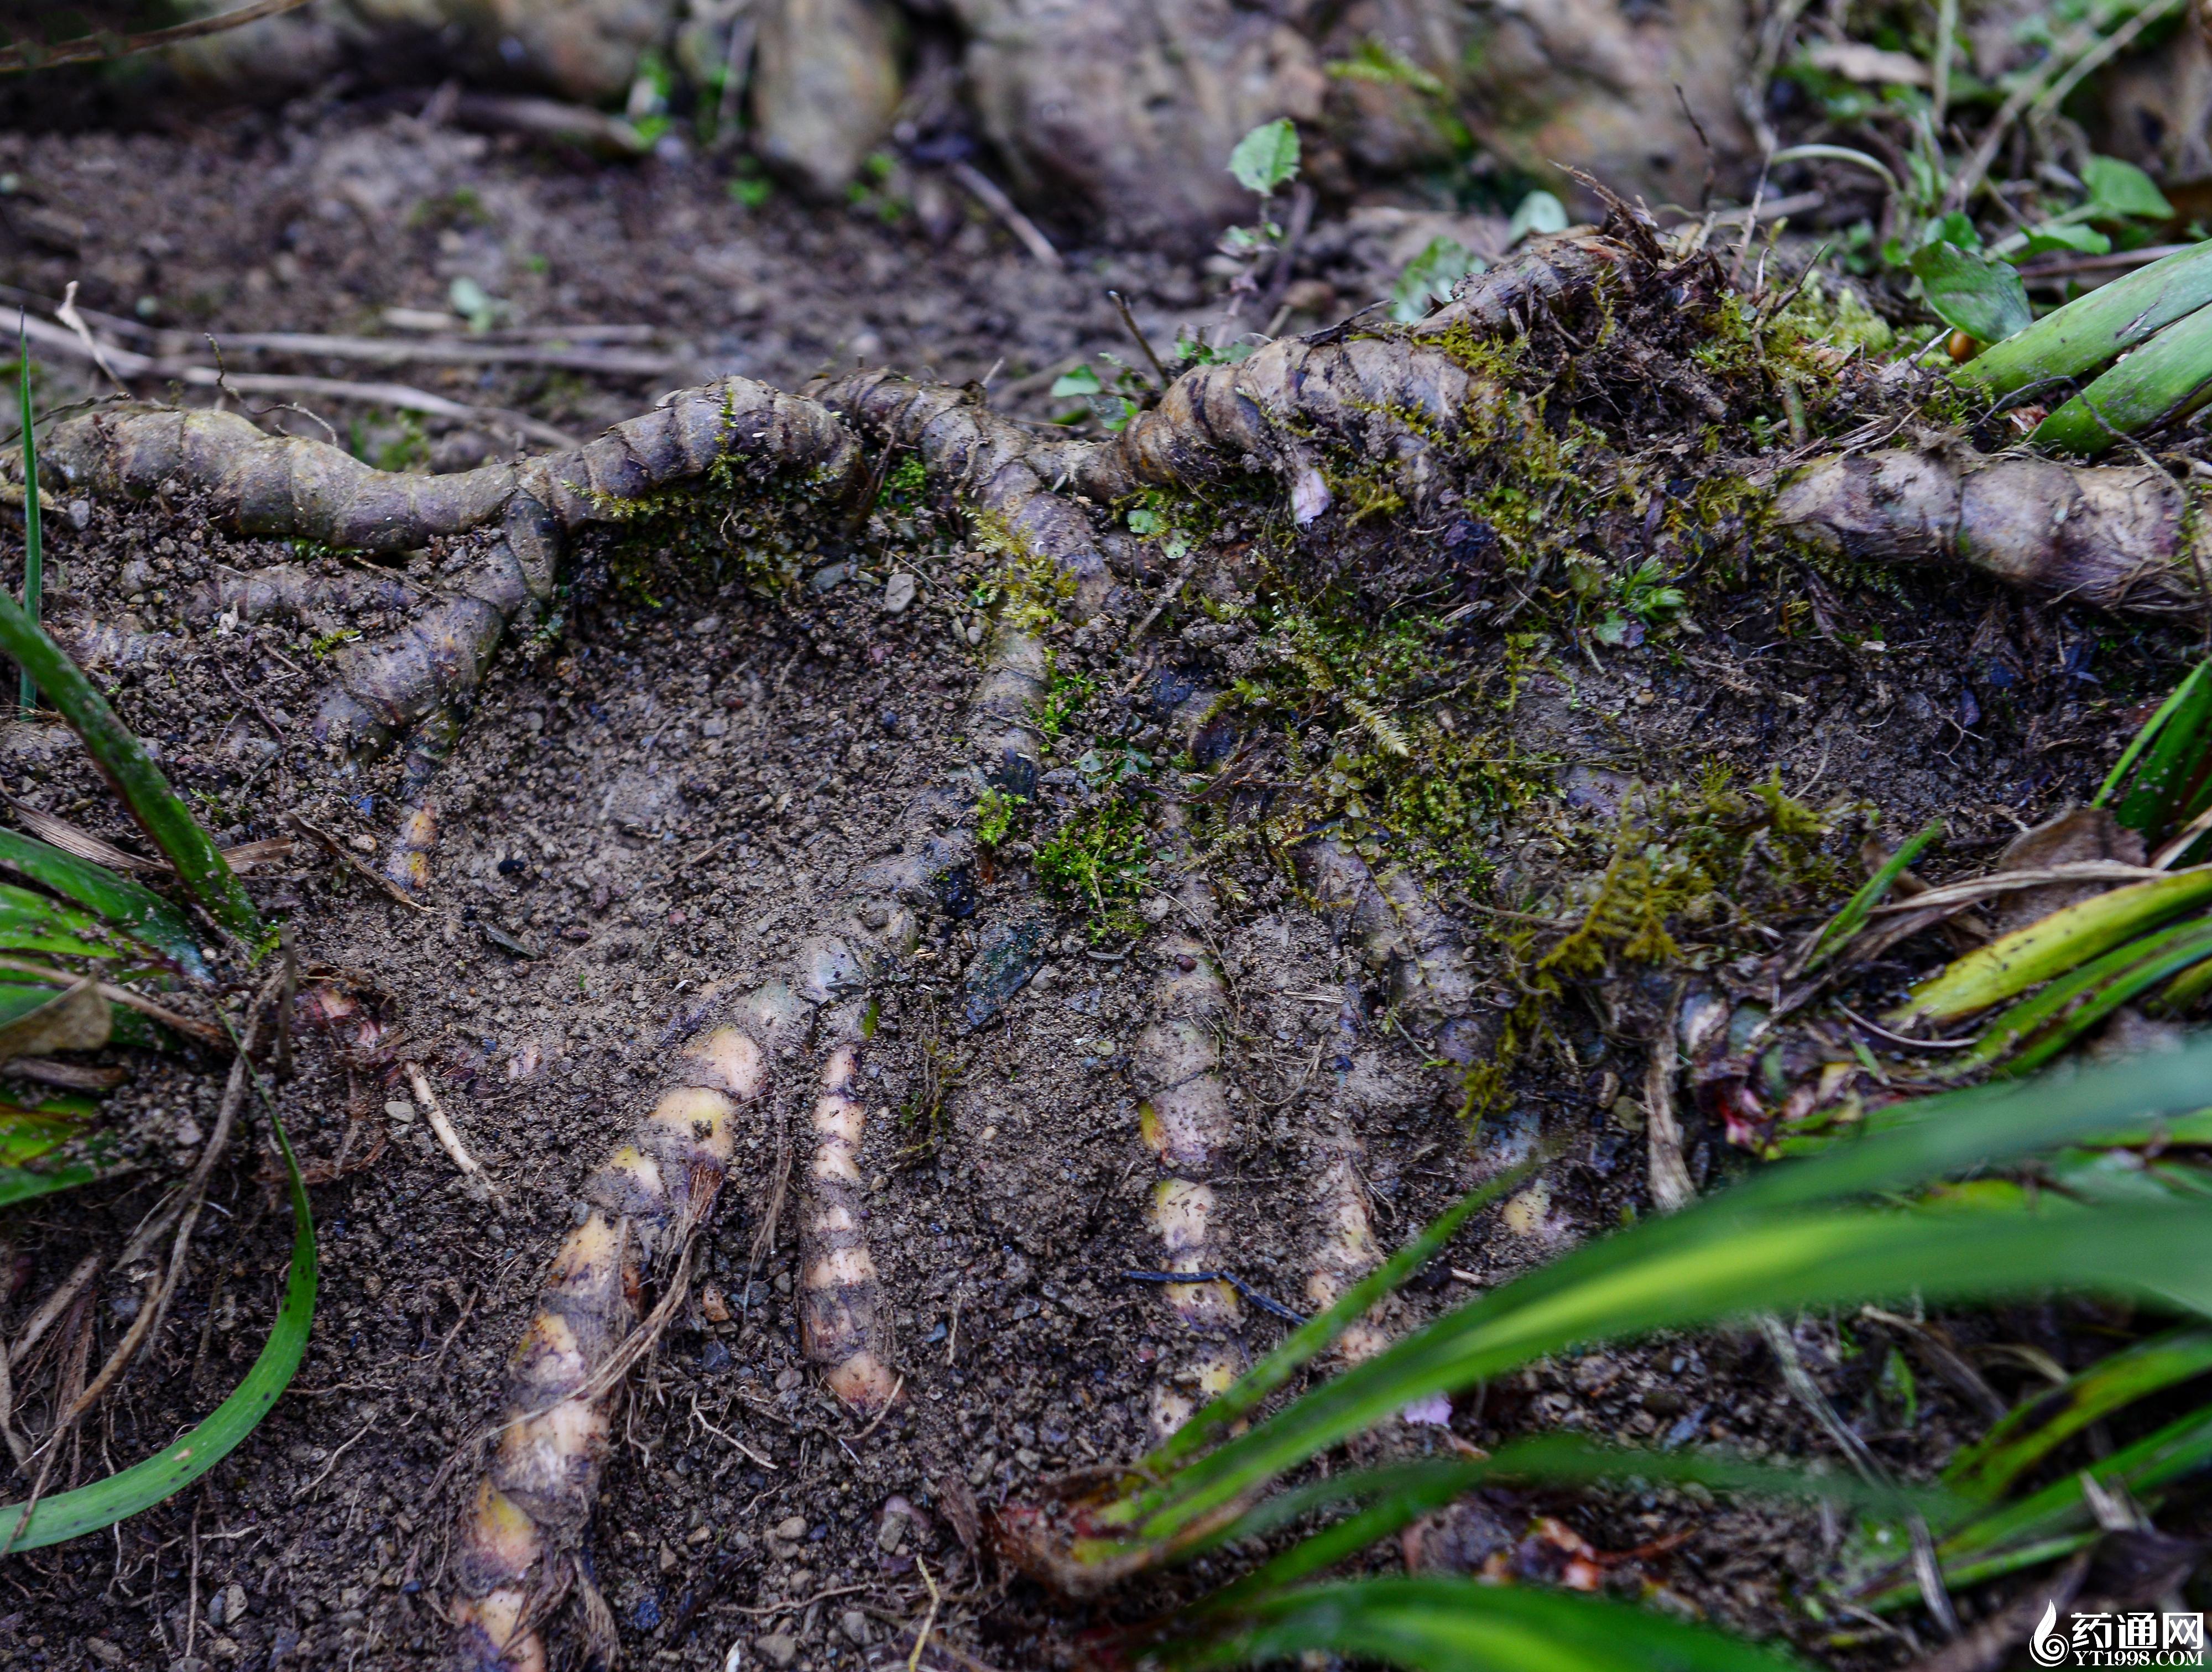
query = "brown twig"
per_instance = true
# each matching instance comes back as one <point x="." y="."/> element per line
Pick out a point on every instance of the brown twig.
<point x="129" y="365"/>
<point x="987" y="192"/>
<point x="123" y="995"/>
<point x="99" y="47"/>
<point x="401" y="351"/>
<point x="447" y="1136"/>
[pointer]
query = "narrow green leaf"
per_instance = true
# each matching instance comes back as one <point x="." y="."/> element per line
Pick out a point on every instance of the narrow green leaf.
<point x="2080" y="998"/>
<point x="1389" y="1499"/>
<point x="2020" y="1534"/>
<point x="2165" y="378"/>
<point x="1727" y="1268"/>
<point x="1267" y="158"/>
<point x="35" y="533"/>
<point x="2108" y="994"/>
<point x="2040" y="1426"/>
<point x="124" y="761"/>
<point x="130" y="906"/>
<point x="1767" y="1244"/>
<point x="1320" y="1332"/>
<point x="1846" y="924"/>
<point x="2192" y="696"/>
<point x="2089" y="331"/>
<point x="1433" y="1625"/>
<point x="1971" y="292"/>
<point x="88" y="1509"/>
<point x="2051" y="946"/>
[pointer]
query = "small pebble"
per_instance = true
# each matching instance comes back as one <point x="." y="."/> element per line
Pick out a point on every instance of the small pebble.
<point x="399" y="1113"/>
<point x="79" y="513"/>
<point x="855" y="1624"/>
<point x="777" y="1648"/>
<point x="791" y="1527"/>
<point x="898" y="593"/>
<point x="707" y="624"/>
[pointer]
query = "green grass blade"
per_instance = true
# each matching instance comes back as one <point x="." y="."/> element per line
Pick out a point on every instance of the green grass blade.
<point x="2149" y="729"/>
<point x="2165" y="378"/>
<point x="131" y="907"/>
<point x="124" y="761"/>
<point x="2110" y="994"/>
<point x="2192" y="699"/>
<point x="2017" y="1535"/>
<point x="88" y="1509"/>
<point x="1432" y="1624"/>
<point x="1317" y="1332"/>
<point x="1846" y="923"/>
<point x="2039" y="1427"/>
<point x="34" y="534"/>
<point x="1389" y="1500"/>
<point x="2103" y="982"/>
<point x="1912" y="1142"/>
<point x="2090" y="330"/>
<point x="2050" y="947"/>
<point x="1636" y="1283"/>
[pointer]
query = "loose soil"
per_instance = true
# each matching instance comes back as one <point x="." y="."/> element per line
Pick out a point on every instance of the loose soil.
<point x="646" y="809"/>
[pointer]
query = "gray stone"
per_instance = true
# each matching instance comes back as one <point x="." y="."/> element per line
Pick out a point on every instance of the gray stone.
<point x="898" y="594"/>
<point x="777" y="1648"/>
<point x="825" y="83"/>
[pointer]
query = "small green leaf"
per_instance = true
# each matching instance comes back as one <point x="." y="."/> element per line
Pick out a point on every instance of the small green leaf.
<point x="2118" y="189"/>
<point x="1083" y="381"/>
<point x="1952" y="229"/>
<point x="87" y="1510"/>
<point x="2051" y="239"/>
<point x="1540" y="212"/>
<point x="1429" y="277"/>
<point x="1968" y="292"/>
<point x="1266" y="157"/>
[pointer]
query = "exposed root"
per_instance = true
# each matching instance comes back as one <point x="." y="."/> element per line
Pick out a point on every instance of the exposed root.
<point x="841" y="1313"/>
<point x="1185" y="1121"/>
<point x="1344" y="1244"/>
<point x="2124" y="538"/>
<point x="1401" y="933"/>
<point x="521" y="1538"/>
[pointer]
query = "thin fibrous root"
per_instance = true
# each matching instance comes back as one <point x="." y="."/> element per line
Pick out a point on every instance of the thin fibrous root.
<point x="521" y="1537"/>
<point x="1401" y="933"/>
<point x="1185" y="1121"/>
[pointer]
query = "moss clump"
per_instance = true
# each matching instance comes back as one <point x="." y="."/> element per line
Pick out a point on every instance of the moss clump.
<point x="1096" y="863"/>
<point x="1687" y="857"/>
